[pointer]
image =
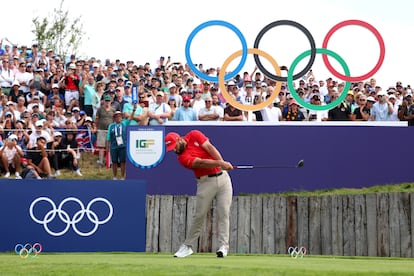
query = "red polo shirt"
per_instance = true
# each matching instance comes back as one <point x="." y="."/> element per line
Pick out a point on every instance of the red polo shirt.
<point x="195" y="139"/>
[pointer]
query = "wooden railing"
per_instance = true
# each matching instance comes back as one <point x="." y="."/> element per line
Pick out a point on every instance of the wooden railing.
<point x="343" y="225"/>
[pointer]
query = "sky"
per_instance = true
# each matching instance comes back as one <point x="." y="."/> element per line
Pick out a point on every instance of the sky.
<point x="143" y="31"/>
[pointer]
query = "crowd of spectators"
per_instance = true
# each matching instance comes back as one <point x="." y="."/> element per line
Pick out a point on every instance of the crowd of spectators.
<point x="45" y="97"/>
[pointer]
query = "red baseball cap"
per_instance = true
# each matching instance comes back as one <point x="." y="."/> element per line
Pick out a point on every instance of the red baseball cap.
<point x="171" y="140"/>
<point x="186" y="98"/>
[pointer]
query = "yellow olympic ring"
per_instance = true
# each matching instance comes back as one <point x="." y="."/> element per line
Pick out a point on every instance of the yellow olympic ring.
<point x="235" y="103"/>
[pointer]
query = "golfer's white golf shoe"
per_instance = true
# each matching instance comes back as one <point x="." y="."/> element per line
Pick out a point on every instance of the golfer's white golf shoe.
<point x="183" y="252"/>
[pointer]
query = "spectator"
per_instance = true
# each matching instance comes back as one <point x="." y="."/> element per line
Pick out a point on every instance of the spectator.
<point x="39" y="132"/>
<point x="197" y="103"/>
<point x="10" y="154"/>
<point x="104" y="117"/>
<point x="257" y="113"/>
<point x="116" y="142"/>
<point x="20" y="107"/>
<point x="6" y="77"/>
<point x="209" y="112"/>
<point x="185" y="112"/>
<point x="132" y="113"/>
<point x="53" y="97"/>
<point x="23" y="77"/>
<point x="317" y="115"/>
<point x="90" y="126"/>
<point x="63" y="153"/>
<point x="173" y="106"/>
<point x="231" y="113"/>
<point x="36" y="96"/>
<point x="15" y="92"/>
<point x="145" y="112"/>
<point x="119" y="98"/>
<point x="71" y="84"/>
<point x="271" y="113"/>
<point x="28" y="172"/>
<point x="341" y="112"/>
<point x="406" y="110"/>
<point x="382" y="110"/>
<point x="159" y="112"/>
<point x="37" y="158"/>
<point x="293" y="113"/>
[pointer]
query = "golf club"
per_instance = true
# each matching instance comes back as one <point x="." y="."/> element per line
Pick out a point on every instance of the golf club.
<point x="298" y="165"/>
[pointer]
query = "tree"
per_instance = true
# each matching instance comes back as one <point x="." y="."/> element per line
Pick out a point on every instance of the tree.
<point x="59" y="32"/>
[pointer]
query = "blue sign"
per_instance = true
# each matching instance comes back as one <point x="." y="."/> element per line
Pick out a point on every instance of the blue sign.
<point x="73" y="216"/>
<point x="134" y="94"/>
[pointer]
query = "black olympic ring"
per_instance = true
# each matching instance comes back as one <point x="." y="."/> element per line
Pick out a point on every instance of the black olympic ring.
<point x="293" y="24"/>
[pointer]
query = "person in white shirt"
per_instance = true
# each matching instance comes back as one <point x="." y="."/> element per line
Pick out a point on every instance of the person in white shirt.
<point x="24" y="77"/>
<point x="159" y="111"/>
<point x="10" y="155"/>
<point x="209" y="112"/>
<point x="271" y="113"/>
<point x="6" y="77"/>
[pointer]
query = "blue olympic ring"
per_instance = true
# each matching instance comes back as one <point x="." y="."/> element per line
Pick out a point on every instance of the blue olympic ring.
<point x="218" y="23"/>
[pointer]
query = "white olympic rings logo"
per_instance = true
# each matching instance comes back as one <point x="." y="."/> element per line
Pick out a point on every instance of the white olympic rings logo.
<point x="64" y="216"/>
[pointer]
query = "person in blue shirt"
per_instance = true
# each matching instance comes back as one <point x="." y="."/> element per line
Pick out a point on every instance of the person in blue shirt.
<point x="116" y="140"/>
<point x="185" y="112"/>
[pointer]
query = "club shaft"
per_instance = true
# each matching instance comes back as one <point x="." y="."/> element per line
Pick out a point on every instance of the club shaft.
<point x="263" y="167"/>
<point x="299" y="165"/>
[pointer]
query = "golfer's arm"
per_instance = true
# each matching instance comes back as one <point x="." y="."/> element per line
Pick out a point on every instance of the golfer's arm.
<point x="206" y="163"/>
<point x="212" y="150"/>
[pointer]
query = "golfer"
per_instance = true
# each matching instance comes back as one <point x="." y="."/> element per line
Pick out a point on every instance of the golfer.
<point x="195" y="152"/>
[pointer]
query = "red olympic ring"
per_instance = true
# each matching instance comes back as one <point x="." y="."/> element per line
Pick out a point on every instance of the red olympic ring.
<point x="362" y="24"/>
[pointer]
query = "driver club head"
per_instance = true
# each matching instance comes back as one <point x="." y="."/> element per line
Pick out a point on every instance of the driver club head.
<point x="300" y="164"/>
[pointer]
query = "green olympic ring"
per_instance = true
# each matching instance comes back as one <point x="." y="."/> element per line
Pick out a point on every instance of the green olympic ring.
<point x="312" y="106"/>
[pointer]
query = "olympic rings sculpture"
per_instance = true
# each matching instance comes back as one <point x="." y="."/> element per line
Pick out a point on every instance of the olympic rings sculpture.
<point x="296" y="252"/>
<point x="290" y="78"/>
<point x="28" y="250"/>
<point x="64" y="216"/>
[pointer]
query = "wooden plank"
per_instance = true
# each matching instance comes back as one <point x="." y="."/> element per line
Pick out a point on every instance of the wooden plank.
<point x="179" y="217"/>
<point x="280" y="221"/>
<point x="292" y="225"/>
<point x="314" y="225"/>
<point x="233" y="225"/>
<point x="243" y="224"/>
<point x="269" y="232"/>
<point x="256" y="225"/>
<point x="383" y="228"/>
<point x="337" y="231"/>
<point x="394" y="225"/>
<point x="405" y="231"/>
<point x="302" y="222"/>
<point x="371" y="210"/>
<point x="191" y="209"/>
<point x="204" y="242"/>
<point x="214" y="227"/>
<point x="326" y="225"/>
<point x="412" y="222"/>
<point x="153" y="220"/>
<point x="361" y="248"/>
<point x="348" y="226"/>
<point x="166" y="204"/>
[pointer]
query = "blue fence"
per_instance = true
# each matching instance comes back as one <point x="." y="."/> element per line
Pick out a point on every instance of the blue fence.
<point x="73" y="216"/>
<point x="336" y="156"/>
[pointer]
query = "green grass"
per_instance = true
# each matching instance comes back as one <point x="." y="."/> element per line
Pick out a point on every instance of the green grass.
<point x="89" y="168"/>
<point x="198" y="264"/>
